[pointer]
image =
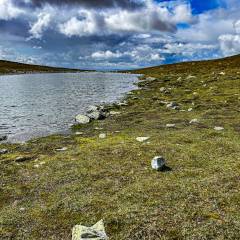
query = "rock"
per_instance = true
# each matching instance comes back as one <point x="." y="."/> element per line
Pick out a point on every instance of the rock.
<point x="62" y="149"/>
<point x="150" y="79"/>
<point x="190" y="77"/>
<point x="22" y="209"/>
<point x="170" y="125"/>
<point x="23" y="158"/>
<point x="3" y="151"/>
<point x="96" y="232"/>
<point x="218" y="128"/>
<point x="96" y="113"/>
<point x="102" y="135"/>
<point x="122" y="103"/>
<point x="3" y="138"/>
<point x="78" y="133"/>
<point x="82" y="119"/>
<point x="142" y="139"/>
<point x="158" y="163"/>
<point x="222" y="73"/>
<point x="190" y="109"/>
<point x="162" y="89"/>
<point x="114" y="113"/>
<point x="193" y="121"/>
<point x="173" y="105"/>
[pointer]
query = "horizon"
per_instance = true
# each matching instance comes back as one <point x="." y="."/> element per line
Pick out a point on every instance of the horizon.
<point x="112" y="35"/>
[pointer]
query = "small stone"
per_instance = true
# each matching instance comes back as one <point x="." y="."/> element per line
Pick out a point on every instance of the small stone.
<point x="222" y="73"/>
<point x="142" y="139"/>
<point x="114" y="113"/>
<point x="3" y="138"/>
<point x="158" y="163"/>
<point x="190" y="77"/>
<point x="36" y="165"/>
<point x="218" y="128"/>
<point x="102" y="135"/>
<point x="22" y="209"/>
<point x="122" y="103"/>
<point x="162" y="89"/>
<point x="62" y="149"/>
<point x="190" y="109"/>
<point x="3" y="151"/>
<point x="170" y="125"/>
<point x="193" y="121"/>
<point x="173" y="105"/>
<point x="92" y="109"/>
<point x="78" y="133"/>
<point x="82" y="119"/>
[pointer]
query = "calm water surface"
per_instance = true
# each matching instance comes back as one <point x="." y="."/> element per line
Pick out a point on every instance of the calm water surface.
<point x="40" y="104"/>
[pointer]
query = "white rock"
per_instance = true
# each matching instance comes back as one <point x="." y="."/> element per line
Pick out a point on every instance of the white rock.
<point x="218" y="128"/>
<point x="222" y="73"/>
<point x="82" y="119"/>
<point x="195" y="120"/>
<point x="170" y="125"/>
<point x="102" y="135"/>
<point x="3" y="151"/>
<point x="158" y="163"/>
<point x="173" y="105"/>
<point x="191" y="77"/>
<point x="142" y="139"/>
<point x="162" y="89"/>
<point x="78" y="133"/>
<point x="190" y="109"/>
<point x="62" y="149"/>
<point x="114" y="113"/>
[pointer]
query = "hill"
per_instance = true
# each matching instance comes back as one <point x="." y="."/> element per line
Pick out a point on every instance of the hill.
<point x="7" y="67"/>
<point x="191" y="114"/>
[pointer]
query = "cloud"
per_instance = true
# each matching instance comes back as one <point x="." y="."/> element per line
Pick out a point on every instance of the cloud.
<point x="230" y="43"/>
<point x="8" y="10"/>
<point x="101" y="55"/>
<point x="44" y="18"/>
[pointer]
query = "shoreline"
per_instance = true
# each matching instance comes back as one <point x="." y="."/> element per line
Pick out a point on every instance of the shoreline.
<point x="69" y="130"/>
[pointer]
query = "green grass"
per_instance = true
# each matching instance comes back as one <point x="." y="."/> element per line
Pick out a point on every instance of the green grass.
<point x="112" y="179"/>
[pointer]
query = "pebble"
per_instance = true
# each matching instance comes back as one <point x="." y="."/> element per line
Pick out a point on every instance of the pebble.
<point x="78" y="133"/>
<point x="142" y="139"/>
<point x="3" y="151"/>
<point x="162" y="89"/>
<point x="190" y="109"/>
<point x="170" y="125"/>
<point x="195" y="120"/>
<point x="62" y="149"/>
<point x="102" y="135"/>
<point x="218" y="128"/>
<point x="158" y="163"/>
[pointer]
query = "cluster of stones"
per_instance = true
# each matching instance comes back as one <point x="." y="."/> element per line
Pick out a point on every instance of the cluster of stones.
<point x="92" y="113"/>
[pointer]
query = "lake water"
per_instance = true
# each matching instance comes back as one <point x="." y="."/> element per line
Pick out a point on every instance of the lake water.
<point x="41" y="104"/>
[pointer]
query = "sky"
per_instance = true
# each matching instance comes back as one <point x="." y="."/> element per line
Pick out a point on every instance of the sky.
<point x="117" y="34"/>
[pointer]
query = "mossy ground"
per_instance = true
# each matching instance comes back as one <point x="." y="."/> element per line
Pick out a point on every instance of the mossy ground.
<point x="112" y="179"/>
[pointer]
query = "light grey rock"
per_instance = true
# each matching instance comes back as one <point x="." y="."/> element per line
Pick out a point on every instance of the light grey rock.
<point x="96" y="232"/>
<point x="3" y="138"/>
<point x="114" y="113"/>
<point x="150" y="79"/>
<point x="170" y="125"/>
<point x="173" y="105"/>
<point x="190" y="77"/>
<point x="62" y="149"/>
<point x="92" y="108"/>
<point x="82" y="119"/>
<point x="158" y="163"/>
<point x="3" y="151"/>
<point x="162" y="89"/>
<point x="142" y="139"/>
<point x="194" y="121"/>
<point x="218" y="128"/>
<point x="190" y="110"/>
<point x="96" y="113"/>
<point x="102" y="135"/>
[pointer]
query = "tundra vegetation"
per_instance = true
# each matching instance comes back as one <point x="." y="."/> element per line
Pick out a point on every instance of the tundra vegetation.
<point x="111" y="178"/>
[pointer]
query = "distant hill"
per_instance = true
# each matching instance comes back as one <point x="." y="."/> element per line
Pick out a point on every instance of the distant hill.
<point x="7" y="67"/>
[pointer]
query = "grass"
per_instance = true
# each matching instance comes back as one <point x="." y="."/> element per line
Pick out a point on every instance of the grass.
<point x="112" y="179"/>
<point x="7" y="67"/>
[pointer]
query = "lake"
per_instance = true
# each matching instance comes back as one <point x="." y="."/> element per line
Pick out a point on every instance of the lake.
<point x="35" y="105"/>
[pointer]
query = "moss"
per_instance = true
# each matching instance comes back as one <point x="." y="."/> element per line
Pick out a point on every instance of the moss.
<point x="112" y="178"/>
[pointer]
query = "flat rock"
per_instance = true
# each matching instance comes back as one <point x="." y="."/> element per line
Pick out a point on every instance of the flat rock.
<point x="193" y="121"/>
<point x="170" y="125"/>
<point x="142" y="139"/>
<point x="96" y="232"/>
<point x="3" y="151"/>
<point x="218" y="128"/>
<point x="82" y="119"/>
<point x="158" y="163"/>
<point x="102" y="135"/>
